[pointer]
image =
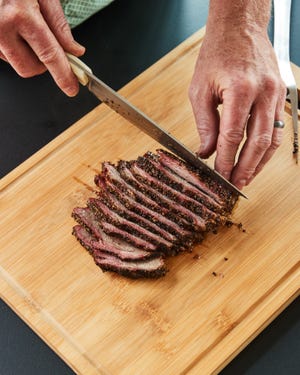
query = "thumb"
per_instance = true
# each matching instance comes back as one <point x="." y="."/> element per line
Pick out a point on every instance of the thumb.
<point x="207" y="120"/>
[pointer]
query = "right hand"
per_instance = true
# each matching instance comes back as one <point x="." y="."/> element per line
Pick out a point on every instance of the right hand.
<point x="34" y="36"/>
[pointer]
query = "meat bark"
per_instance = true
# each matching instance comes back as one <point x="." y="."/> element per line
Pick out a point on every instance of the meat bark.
<point x="147" y="209"/>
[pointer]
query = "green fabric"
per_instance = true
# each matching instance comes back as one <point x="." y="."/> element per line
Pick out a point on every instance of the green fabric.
<point x="77" y="11"/>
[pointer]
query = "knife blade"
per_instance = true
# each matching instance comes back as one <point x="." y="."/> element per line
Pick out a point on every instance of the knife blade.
<point x="120" y="105"/>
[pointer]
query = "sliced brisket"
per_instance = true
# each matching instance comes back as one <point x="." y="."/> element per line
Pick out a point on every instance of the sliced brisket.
<point x="88" y="218"/>
<point x="158" y="203"/>
<point x="172" y="179"/>
<point x="202" y="182"/>
<point x="111" y="245"/>
<point x="152" y="268"/>
<point x="134" y="265"/>
<point x="105" y="213"/>
<point x="147" y="209"/>
<point x="173" y="210"/>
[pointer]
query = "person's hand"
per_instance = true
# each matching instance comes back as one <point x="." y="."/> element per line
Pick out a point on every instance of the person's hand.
<point x="238" y="70"/>
<point x="34" y="36"/>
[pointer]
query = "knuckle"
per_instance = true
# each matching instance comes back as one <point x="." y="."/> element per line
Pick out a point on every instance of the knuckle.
<point x="13" y="16"/>
<point x="28" y="71"/>
<point x="271" y="85"/>
<point x="62" y="25"/>
<point x="248" y="172"/>
<point x="276" y="142"/>
<point x="203" y="128"/>
<point x="262" y="141"/>
<point x="48" y="55"/>
<point x="244" y="87"/>
<point x="233" y="136"/>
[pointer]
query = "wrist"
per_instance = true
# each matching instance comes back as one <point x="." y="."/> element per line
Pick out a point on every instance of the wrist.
<point x="244" y="17"/>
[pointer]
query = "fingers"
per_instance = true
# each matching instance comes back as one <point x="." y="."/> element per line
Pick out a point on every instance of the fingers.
<point x="207" y="119"/>
<point x="236" y="107"/>
<point x="262" y="138"/>
<point x="34" y="37"/>
<point x="277" y="136"/>
<point x="51" y="54"/>
<point x="20" y="56"/>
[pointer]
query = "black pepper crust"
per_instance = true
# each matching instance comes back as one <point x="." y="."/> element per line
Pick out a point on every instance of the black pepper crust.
<point x="159" y="205"/>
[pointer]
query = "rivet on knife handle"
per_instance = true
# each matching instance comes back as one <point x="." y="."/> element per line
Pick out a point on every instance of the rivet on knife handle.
<point x="79" y="68"/>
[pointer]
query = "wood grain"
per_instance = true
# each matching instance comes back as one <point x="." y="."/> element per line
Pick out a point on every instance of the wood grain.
<point x="207" y="308"/>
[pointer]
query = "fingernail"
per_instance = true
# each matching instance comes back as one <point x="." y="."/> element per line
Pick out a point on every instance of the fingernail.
<point x="241" y="183"/>
<point x="202" y="151"/>
<point x="225" y="174"/>
<point x="78" y="46"/>
<point x="71" y="91"/>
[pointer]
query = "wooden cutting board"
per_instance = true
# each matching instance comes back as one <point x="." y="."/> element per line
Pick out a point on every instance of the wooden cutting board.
<point x="212" y="302"/>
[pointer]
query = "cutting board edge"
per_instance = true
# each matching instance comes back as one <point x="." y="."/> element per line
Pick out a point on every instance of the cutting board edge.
<point x="288" y="292"/>
<point x="32" y="315"/>
<point x="259" y="331"/>
<point x="267" y="322"/>
<point x="20" y="298"/>
<point x="16" y="297"/>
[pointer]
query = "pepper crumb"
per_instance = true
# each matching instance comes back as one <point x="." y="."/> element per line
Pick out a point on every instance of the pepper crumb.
<point x="225" y="258"/>
<point x="240" y="227"/>
<point x="214" y="273"/>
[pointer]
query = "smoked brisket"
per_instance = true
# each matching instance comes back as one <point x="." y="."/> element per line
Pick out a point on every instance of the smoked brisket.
<point x="148" y="209"/>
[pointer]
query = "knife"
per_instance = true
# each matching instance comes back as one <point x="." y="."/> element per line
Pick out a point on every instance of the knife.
<point x="282" y="13"/>
<point x="120" y="105"/>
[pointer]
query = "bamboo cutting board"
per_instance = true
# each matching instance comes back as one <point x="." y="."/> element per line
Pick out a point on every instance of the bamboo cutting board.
<point x="212" y="302"/>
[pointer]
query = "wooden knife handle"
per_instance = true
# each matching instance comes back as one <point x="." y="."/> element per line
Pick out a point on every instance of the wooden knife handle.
<point x="79" y="69"/>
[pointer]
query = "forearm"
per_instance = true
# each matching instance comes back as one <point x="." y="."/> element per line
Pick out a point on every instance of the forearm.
<point x="233" y="15"/>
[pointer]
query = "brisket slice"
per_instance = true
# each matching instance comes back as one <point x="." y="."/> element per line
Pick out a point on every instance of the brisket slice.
<point x="164" y="185"/>
<point x="169" y="177"/>
<point x="175" y="211"/>
<point x="179" y="203"/>
<point x="155" y="215"/>
<point x="151" y="268"/>
<point x="111" y="201"/>
<point x="160" y="204"/>
<point x="110" y="245"/>
<point x="130" y="267"/>
<point x="87" y="217"/>
<point x="200" y="180"/>
<point x="105" y="213"/>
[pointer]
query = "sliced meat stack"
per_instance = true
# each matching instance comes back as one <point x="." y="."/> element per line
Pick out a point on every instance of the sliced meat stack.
<point x="148" y="209"/>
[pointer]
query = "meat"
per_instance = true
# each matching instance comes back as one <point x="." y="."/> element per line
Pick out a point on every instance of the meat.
<point x="148" y="209"/>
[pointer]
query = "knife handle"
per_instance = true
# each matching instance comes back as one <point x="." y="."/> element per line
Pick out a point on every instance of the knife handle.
<point x="79" y="69"/>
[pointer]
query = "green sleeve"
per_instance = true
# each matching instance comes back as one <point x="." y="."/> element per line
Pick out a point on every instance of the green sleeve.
<point x="77" y="11"/>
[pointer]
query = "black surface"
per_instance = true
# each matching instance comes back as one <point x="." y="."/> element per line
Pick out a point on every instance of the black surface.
<point x="122" y="41"/>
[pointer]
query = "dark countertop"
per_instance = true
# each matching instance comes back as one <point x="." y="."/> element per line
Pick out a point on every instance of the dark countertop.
<point x="122" y="41"/>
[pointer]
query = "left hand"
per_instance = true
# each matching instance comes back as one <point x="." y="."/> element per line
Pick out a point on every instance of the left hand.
<point x="239" y="71"/>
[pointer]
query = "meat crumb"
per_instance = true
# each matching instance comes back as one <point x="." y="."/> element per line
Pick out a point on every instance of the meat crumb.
<point x="196" y="256"/>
